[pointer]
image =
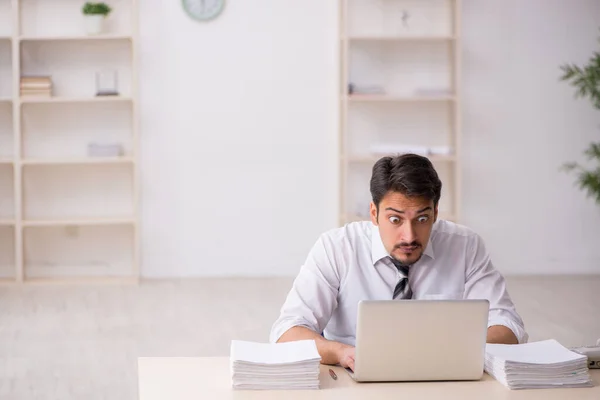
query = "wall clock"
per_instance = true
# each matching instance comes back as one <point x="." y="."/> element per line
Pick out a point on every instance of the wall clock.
<point x="203" y="10"/>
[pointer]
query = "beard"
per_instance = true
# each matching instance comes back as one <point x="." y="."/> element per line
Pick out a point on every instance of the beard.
<point x="407" y="263"/>
<point x="417" y="248"/>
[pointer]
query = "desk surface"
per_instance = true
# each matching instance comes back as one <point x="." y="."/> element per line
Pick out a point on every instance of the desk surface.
<point x="209" y="378"/>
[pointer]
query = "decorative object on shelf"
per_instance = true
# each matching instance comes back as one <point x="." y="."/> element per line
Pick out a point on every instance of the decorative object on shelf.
<point x="405" y="17"/>
<point x="440" y="151"/>
<point x="387" y="149"/>
<point x="94" y="16"/>
<point x="105" y="150"/>
<point x="203" y="10"/>
<point x="107" y="83"/>
<point x="433" y="92"/>
<point x="586" y="80"/>
<point x="365" y="89"/>
<point x="36" y="86"/>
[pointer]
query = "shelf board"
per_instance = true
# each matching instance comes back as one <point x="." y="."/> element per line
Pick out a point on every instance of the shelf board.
<point x="375" y="38"/>
<point x="2" y="37"/>
<point x="374" y="158"/>
<point x="7" y="222"/>
<point x="401" y="99"/>
<point x="79" y="222"/>
<point x="79" y="161"/>
<point x="99" y="99"/>
<point x="5" y="101"/>
<point x="82" y="280"/>
<point x="73" y="38"/>
<point x="6" y="161"/>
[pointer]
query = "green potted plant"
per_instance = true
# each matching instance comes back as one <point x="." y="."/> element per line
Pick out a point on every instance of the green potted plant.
<point x="586" y="79"/>
<point x="95" y="14"/>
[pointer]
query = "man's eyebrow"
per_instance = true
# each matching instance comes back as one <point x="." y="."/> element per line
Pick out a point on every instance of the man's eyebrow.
<point x="393" y="209"/>
<point x="402" y="212"/>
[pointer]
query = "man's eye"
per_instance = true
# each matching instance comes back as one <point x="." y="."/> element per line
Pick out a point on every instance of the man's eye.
<point x="423" y="218"/>
<point x="394" y="220"/>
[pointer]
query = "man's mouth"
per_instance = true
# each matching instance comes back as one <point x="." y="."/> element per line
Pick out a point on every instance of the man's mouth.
<point x="408" y="249"/>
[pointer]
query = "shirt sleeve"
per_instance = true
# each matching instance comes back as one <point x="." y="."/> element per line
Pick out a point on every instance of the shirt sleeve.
<point x="313" y="296"/>
<point x="483" y="281"/>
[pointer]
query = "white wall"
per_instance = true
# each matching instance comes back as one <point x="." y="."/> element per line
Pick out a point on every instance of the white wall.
<point x="239" y="131"/>
<point x="520" y="125"/>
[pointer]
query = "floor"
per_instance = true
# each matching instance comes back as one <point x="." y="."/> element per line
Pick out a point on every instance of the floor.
<point x="82" y="342"/>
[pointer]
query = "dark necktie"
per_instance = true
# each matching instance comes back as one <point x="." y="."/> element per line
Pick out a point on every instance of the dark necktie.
<point x="402" y="290"/>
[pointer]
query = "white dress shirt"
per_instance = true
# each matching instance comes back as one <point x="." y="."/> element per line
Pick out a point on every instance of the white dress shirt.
<point x="350" y="264"/>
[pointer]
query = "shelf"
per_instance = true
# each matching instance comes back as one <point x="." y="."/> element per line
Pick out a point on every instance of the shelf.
<point x="400" y="99"/>
<point x="79" y="161"/>
<point x="80" y="222"/>
<point x="99" y="99"/>
<point x="74" y="38"/>
<point x="374" y="158"/>
<point x="400" y="38"/>
<point x="68" y="214"/>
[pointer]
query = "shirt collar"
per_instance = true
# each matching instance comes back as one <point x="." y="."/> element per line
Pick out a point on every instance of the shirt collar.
<point x="379" y="252"/>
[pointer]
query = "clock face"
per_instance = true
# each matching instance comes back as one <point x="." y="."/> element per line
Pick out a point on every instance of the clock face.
<point x="203" y="10"/>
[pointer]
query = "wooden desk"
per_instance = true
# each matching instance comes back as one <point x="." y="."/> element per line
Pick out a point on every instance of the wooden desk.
<point x="209" y="378"/>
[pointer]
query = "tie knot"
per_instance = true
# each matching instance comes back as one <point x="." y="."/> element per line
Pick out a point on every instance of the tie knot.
<point x="401" y="267"/>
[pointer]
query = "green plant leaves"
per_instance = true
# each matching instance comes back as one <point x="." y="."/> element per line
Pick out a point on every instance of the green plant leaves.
<point x="586" y="81"/>
<point x="96" y="9"/>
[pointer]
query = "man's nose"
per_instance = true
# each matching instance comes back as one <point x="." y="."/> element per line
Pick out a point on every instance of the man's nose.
<point x="408" y="233"/>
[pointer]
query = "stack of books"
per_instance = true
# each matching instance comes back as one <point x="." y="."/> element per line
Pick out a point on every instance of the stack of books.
<point x="278" y="366"/>
<point x="36" y="86"/>
<point x="536" y="365"/>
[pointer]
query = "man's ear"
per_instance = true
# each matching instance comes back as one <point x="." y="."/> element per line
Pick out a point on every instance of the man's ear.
<point x="436" y="212"/>
<point x="374" y="211"/>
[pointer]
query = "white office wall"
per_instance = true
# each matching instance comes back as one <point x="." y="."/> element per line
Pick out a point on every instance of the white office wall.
<point x="520" y="125"/>
<point x="239" y="136"/>
<point x="239" y="131"/>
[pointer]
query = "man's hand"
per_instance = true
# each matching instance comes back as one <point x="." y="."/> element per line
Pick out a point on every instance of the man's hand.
<point x="331" y="352"/>
<point x="346" y="357"/>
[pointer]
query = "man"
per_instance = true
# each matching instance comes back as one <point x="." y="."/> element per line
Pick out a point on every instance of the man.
<point x="403" y="253"/>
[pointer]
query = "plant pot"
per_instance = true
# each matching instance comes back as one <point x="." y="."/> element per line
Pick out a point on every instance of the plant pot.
<point x="94" y="24"/>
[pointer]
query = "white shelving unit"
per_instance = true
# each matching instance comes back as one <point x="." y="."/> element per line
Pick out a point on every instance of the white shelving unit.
<point x="66" y="215"/>
<point x="401" y="58"/>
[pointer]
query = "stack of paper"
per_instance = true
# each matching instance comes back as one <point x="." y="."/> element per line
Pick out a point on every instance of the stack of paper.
<point x="278" y="366"/>
<point x="536" y="365"/>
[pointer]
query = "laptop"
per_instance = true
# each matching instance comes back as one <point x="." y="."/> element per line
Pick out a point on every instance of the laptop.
<point x="420" y="340"/>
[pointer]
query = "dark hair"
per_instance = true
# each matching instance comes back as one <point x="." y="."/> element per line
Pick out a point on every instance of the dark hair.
<point x="410" y="174"/>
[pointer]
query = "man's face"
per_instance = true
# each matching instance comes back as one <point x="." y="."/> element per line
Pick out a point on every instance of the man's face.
<point x="405" y="225"/>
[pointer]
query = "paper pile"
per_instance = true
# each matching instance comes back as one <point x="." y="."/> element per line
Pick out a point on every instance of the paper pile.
<point x="536" y="365"/>
<point x="279" y="366"/>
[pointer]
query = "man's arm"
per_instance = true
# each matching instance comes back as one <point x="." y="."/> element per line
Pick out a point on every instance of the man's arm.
<point x="483" y="281"/>
<point x="331" y="352"/>
<point x="311" y="302"/>
<point x="501" y="334"/>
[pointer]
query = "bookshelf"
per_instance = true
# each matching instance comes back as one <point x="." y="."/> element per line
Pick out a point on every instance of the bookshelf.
<point x="399" y="93"/>
<point x="69" y="170"/>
